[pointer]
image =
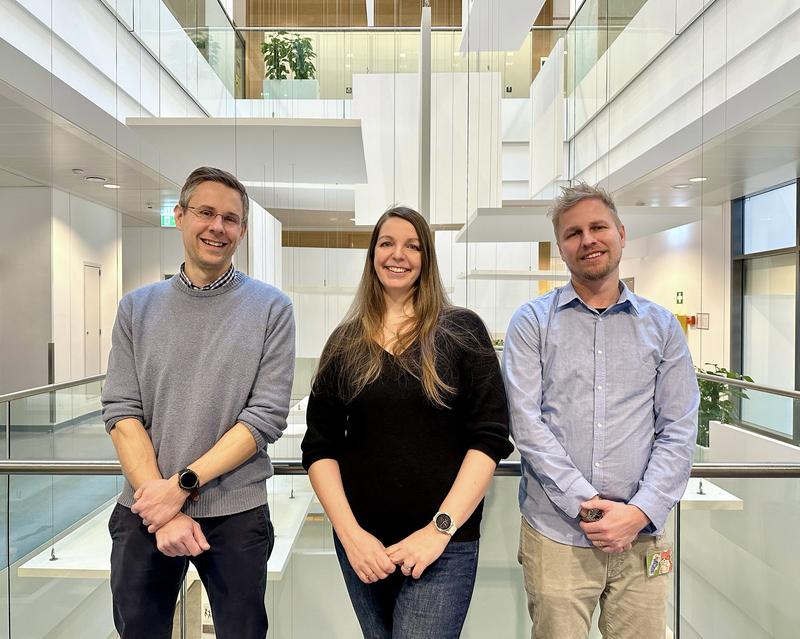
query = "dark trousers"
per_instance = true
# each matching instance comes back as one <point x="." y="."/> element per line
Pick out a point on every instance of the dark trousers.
<point x="431" y="607"/>
<point x="145" y="583"/>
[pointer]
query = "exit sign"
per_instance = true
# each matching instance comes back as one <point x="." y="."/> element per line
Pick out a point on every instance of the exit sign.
<point x="167" y="220"/>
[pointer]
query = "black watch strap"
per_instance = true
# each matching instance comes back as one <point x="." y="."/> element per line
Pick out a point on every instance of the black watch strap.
<point x="190" y="482"/>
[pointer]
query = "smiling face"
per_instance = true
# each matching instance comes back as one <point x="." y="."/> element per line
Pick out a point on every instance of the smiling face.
<point x="398" y="256"/>
<point x="209" y="244"/>
<point x="590" y="242"/>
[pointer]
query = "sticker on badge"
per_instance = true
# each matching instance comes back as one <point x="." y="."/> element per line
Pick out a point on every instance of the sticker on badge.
<point x="659" y="562"/>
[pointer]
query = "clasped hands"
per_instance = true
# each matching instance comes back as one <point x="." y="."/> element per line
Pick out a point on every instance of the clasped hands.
<point x="372" y="561"/>
<point x="158" y="502"/>
<point x="618" y="528"/>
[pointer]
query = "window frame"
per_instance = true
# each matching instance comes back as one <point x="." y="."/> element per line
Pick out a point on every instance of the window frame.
<point x="738" y="261"/>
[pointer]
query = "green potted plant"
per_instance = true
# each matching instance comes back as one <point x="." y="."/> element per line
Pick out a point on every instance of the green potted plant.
<point x="718" y="401"/>
<point x="289" y="67"/>
<point x="301" y="58"/>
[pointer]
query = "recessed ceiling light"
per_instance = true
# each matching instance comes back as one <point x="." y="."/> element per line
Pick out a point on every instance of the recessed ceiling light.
<point x="111" y="186"/>
<point x="698" y="179"/>
<point x="680" y="186"/>
<point x="95" y="178"/>
<point x="78" y="171"/>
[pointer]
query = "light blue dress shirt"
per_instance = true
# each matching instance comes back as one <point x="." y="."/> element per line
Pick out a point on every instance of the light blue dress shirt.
<point x="600" y="404"/>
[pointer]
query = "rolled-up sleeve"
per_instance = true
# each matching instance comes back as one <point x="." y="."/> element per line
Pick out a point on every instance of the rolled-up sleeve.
<point x="265" y="413"/>
<point x="675" y="405"/>
<point x="486" y="406"/>
<point x="121" y="397"/>
<point x="326" y="419"/>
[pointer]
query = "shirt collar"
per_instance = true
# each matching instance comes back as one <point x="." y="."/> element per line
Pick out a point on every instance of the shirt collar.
<point x="567" y="295"/>
<point x="220" y="281"/>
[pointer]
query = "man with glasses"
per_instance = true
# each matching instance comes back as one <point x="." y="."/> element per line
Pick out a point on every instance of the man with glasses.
<point x="603" y="401"/>
<point x="198" y="383"/>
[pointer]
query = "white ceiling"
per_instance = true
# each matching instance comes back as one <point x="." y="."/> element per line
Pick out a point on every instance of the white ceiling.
<point x="262" y="150"/>
<point x="531" y="223"/>
<point x="40" y="148"/>
<point x="757" y="154"/>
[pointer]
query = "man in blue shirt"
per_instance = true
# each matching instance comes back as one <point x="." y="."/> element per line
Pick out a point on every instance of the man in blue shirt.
<point x="603" y="401"/>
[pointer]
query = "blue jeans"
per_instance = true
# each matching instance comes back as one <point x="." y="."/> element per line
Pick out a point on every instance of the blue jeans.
<point x="145" y="583"/>
<point x="431" y="607"/>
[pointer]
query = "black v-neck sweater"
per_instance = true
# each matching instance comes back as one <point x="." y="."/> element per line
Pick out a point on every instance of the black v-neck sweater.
<point x="398" y="453"/>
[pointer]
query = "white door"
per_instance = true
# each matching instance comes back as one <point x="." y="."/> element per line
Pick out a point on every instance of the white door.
<point x="91" y="320"/>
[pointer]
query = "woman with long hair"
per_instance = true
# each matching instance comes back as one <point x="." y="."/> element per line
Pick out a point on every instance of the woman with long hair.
<point x="407" y="420"/>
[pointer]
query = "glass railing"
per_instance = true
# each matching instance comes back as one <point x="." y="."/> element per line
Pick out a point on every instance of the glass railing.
<point x="608" y="43"/>
<point x="732" y="536"/>
<point x="340" y="57"/>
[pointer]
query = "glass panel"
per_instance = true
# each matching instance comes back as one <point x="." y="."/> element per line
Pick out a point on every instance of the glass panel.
<point x="770" y="219"/>
<point x="768" y="321"/>
<point x="64" y="424"/>
<point x="59" y="556"/>
<point x="313" y="575"/>
<point x="4" y="602"/>
<point x="738" y="560"/>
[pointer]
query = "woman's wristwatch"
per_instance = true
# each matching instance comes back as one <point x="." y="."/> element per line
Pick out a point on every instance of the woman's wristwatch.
<point x="444" y="523"/>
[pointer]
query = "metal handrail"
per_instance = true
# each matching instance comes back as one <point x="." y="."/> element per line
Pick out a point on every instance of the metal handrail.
<point x="294" y="467"/>
<point x="10" y="397"/>
<point x="719" y="379"/>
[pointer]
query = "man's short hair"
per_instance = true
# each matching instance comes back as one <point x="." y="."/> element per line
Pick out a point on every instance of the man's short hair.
<point x="211" y="174"/>
<point x="572" y="195"/>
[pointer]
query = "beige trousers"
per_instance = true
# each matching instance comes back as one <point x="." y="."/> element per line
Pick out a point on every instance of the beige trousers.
<point x="564" y="584"/>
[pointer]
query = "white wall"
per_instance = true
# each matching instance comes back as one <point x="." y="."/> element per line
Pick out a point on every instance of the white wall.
<point x="264" y="246"/>
<point x="84" y="233"/>
<point x="465" y="143"/>
<point x="321" y="284"/>
<point x="633" y="112"/>
<point x="690" y="259"/>
<point x="141" y="257"/>
<point x="113" y="68"/>
<point x="25" y="305"/>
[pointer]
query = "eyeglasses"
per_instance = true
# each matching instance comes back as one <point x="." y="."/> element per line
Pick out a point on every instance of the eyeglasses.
<point x="205" y="214"/>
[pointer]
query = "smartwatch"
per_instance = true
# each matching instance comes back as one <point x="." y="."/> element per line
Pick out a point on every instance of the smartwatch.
<point x="190" y="482"/>
<point x="444" y="523"/>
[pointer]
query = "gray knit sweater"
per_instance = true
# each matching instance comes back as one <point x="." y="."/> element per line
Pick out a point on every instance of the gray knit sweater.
<point x="189" y="364"/>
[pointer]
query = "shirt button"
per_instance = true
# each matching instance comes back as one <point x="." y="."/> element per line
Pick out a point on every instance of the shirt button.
<point x="599" y="352"/>
<point x="597" y="464"/>
<point x="599" y="387"/>
<point x="599" y="425"/>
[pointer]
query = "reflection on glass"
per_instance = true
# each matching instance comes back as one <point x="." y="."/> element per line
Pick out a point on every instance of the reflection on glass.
<point x="769" y="219"/>
<point x="59" y="558"/>
<point x="64" y="424"/>
<point x="739" y="560"/>
<point x="768" y="321"/>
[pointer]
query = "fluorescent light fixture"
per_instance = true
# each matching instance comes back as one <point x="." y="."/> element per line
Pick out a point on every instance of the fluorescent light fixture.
<point x="95" y="178"/>
<point x="301" y="185"/>
<point x="111" y="186"/>
<point x="699" y="178"/>
<point x="680" y="186"/>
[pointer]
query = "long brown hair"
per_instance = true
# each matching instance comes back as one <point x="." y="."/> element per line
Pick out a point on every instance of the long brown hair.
<point x="354" y="346"/>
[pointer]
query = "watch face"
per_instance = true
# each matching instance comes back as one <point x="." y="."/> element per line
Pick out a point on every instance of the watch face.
<point x="188" y="480"/>
<point x="443" y="521"/>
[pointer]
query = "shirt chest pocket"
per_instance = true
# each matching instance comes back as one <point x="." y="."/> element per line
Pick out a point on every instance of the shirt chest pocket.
<point x="632" y="366"/>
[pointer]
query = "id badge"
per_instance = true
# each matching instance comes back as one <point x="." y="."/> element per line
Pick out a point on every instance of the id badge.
<point x="659" y="562"/>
